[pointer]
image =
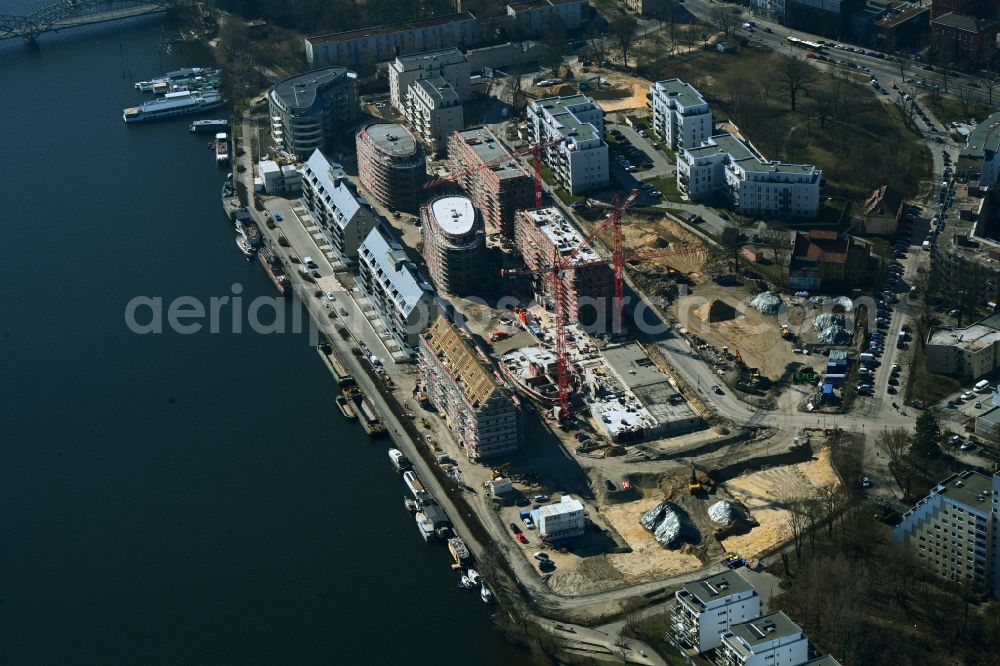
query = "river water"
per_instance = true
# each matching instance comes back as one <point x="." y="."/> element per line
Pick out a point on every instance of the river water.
<point x="176" y="498"/>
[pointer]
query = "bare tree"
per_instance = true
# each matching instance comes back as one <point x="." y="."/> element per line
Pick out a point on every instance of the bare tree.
<point x="595" y="38"/>
<point x="622" y="648"/>
<point x="798" y="522"/>
<point x="794" y="75"/>
<point x="623" y="30"/>
<point x="777" y="240"/>
<point x="895" y="443"/>
<point x="725" y="18"/>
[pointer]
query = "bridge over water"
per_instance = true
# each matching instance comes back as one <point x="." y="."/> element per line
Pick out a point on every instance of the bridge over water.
<point x="67" y="14"/>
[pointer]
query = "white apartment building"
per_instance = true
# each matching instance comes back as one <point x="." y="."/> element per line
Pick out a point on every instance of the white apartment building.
<point x="475" y="406"/>
<point x="382" y="42"/>
<point x="579" y="161"/>
<point x="434" y="111"/>
<point x="707" y="607"/>
<point x="726" y="167"/>
<point x="681" y="117"/>
<point x="449" y="64"/>
<point x="402" y="299"/>
<point x="770" y="640"/>
<point x="344" y="217"/>
<point x="537" y="16"/>
<point x="971" y="352"/>
<point x="951" y="530"/>
<point x="307" y="111"/>
<point x="561" y="520"/>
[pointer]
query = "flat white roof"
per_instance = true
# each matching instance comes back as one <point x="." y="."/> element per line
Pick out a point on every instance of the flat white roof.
<point x="562" y="234"/>
<point x="454" y="214"/>
<point x="565" y="505"/>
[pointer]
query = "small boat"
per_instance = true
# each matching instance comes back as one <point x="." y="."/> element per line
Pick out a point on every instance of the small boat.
<point x="200" y="126"/>
<point x="346" y="408"/>
<point x="485" y="594"/>
<point x="244" y="246"/>
<point x="474" y="576"/>
<point x="399" y="461"/>
<point x="410" y="505"/>
<point x="425" y="526"/>
<point x="221" y="148"/>
<point x="465" y="583"/>
<point x="459" y="551"/>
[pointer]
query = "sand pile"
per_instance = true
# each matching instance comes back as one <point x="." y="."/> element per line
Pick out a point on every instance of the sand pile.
<point x="715" y="310"/>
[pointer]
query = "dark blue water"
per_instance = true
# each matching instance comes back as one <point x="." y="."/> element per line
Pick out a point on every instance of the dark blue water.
<point x="176" y="498"/>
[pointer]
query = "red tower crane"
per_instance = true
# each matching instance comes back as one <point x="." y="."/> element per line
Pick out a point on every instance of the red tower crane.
<point x="563" y="262"/>
<point x="536" y="151"/>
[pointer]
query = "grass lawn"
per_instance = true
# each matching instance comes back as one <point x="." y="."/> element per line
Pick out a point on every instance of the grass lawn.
<point x="667" y="187"/>
<point x="652" y="630"/>
<point x="949" y="110"/>
<point x="568" y="198"/>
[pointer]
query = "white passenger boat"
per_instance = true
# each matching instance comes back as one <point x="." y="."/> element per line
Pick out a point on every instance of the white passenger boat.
<point x="173" y="104"/>
<point x="399" y="461"/>
<point x="425" y="526"/>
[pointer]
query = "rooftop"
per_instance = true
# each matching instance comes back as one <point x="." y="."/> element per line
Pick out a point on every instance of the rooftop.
<point x="437" y="88"/>
<point x="390" y="28"/>
<point x="655" y="395"/>
<point x="299" y="92"/>
<point x="964" y="22"/>
<point x="566" y="504"/>
<point x="561" y="233"/>
<point x="684" y="93"/>
<point x="331" y="179"/>
<point x="893" y="20"/>
<point x="563" y="110"/>
<point x="476" y="381"/>
<point x="396" y="270"/>
<point x="392" y="139"/>
<point x="489" y="149"/>
<point x="421" y="60"/>
<point x="455" y="215"/>
<point x="765" y="629"/>
<point x="972" y="338"/>
<point x="970" y="488"/>
<point x="984" y="138"/>
<point x="724" y="143"/>
<point x="709" y="589"/>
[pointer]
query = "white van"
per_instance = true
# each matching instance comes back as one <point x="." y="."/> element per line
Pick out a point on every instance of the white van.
<point x="982" y="386"/>
<point x="926" y="246"/>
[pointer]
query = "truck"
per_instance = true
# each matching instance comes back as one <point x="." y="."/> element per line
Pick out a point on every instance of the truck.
<point x="867" y="358"/>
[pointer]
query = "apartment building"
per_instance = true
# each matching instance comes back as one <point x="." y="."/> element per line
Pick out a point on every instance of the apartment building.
<point x="344" y="217"/>
<point x="969" y="352"/>
<point x="536" y="16"/>
<point x="766" y="641"/>
<point x="725" y="167"/>
<point x="464" y="390"/>
<point x="829" y="18"/>
<point x="450" y="64"/>
<point x="497" y="191"/>
<point x="454" y="245"/>
<point x="308" y="110"/>
<point x="401" y="298"/>
<point x="383" y="42"/>
<point x="681" y="117"/>
<point x="579" y="159"/>
<point x="979" y="161"/>
<point x="434" y="111"/>
<point x="951" y="530"/>
<point x="964" y="39"/>
<point x="564" y="519"/>
<point x="392" y="166"/>
<point x="771" y="10"/>
<point x="542" y="234"/>
<point x="707" y="607"/>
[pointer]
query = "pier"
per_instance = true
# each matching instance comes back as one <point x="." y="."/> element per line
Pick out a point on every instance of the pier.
<point x="76" y="13"/>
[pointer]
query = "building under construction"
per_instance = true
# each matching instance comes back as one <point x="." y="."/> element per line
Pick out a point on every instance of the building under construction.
<point x="461" y="386"/>
<point x="498" y="191"/>
<point x="454" y="245"/>
<point x="391" y="166"/>
<point x="543" y="234"/>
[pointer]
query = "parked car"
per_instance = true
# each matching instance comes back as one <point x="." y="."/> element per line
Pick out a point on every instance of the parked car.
<point x="966" y="396"/>
<point x="521" y="538"/>
<point x="514" y="528"/>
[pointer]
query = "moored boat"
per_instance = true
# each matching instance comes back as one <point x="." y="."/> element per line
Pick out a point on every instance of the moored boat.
<point x="425" y="526"/>
<point x="369" y="420"/>
<point x="410" y="505"/>
<point x="346" y="408"/>
<point x="207" y="126"/>
<point x="172" y="105"/>
<point x="474" y="576"/>
<point x="485" y="594"/>
<point x="465" y="583"/>
<point x="399" y="461"/>
<point x="459" y="551"/>
<point x="417" y="488"/>
<point x="221" y="148"/>
<point x="244" y="246"/>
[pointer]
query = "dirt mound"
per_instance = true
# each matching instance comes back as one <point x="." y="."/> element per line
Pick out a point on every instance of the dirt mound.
<point x="715" y="310"/>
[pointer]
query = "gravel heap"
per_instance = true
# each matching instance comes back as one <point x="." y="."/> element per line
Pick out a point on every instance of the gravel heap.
<point x="663" y="522"/>
<point x="722" y="512"/>
<point x="766" y="302"/>
<point x="828" y="319"/>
